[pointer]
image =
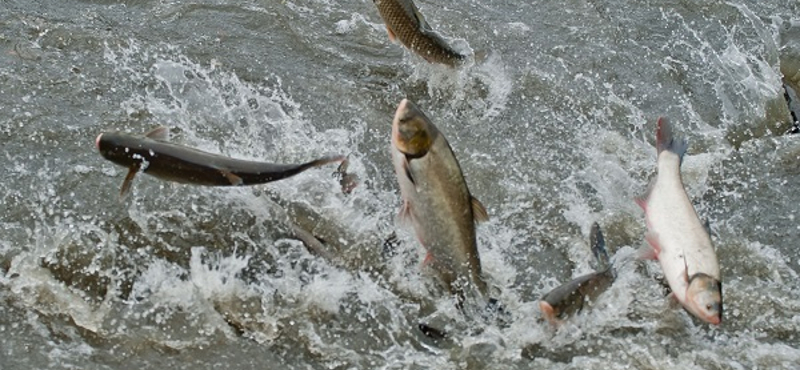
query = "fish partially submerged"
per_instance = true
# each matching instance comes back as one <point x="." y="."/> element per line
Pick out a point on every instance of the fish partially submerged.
<point x="571" y="297"/>
<point x="404" y="22"/>
<point x="153" y="155"/>
<point x="679" y="240"/>
<point x="436" y="200"/>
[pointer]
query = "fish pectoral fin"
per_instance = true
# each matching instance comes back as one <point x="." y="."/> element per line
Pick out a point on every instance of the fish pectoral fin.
<point x="126" y="184"/>
<point x="428" y="259"/>
<point x="652" y="251"/>
<point x="642" y="202"/>
<point x="158" y="133"/>
<point x="652" y="239"/>
<point x="479" y="213"/>
<point x="392" y="36"/>
<point x="405" y="213"/>
<point x="408" y="174"/>
<point x="642" y="199"/>
<point x="233" y="179"/>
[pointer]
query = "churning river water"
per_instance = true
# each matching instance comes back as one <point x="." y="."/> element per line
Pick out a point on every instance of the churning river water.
<point x="554" y="130"/>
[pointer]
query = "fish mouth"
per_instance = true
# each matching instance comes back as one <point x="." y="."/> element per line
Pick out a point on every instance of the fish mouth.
<point x="403" y="107"/>
<point x="714" y="320"/>
<point x="97" y="141"/>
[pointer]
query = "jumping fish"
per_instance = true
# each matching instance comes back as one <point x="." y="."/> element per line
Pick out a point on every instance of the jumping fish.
<point x="348" y="181"/>
<point x="404" y="22"/>
<point x="436" y="200"/>
<point x="678" y="238"/>
<point x="570" y="298"/>
<point x="153" y="155"/>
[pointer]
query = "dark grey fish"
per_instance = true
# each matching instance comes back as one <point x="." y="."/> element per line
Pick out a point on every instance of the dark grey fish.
<point x="569" y="298"/>
<point x="431" y="332"/>
<point x="151" y="154"/>
<point x="404" y="22"/>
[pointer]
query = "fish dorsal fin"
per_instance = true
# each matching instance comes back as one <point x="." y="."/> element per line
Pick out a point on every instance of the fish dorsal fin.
<point x="598" y="244"/>
<point x="158" y="133"/>
<point x="126" y="184"/>
<point x="421" y="22"/>
<point x="478" y="210"/>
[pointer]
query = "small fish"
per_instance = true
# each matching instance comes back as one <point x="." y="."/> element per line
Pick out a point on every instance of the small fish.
<point x="432" y="332"/>
<point x="570" y="298"/>
<point x="678" y="238"/>
<point x="436" y="200"/>
<point x="153" y="155"/>
<point x="348" y="181"/>
<point x="404" y="22"/>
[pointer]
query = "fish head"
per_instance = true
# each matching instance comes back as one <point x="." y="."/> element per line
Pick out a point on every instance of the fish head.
<point x="413" y="133"/>
<point x="116" y="148"/>
<point x="704" y="298"/>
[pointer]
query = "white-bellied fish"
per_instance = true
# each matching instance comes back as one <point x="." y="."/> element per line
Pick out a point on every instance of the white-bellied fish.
<point x="153" y="155"/>
<point x="405" y="23"/>
<point x="571" y="297"/>
<point x="436" y="199"/>
<point x="678" y="239"/>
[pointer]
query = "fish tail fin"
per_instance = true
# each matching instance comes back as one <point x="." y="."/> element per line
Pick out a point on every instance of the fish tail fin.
<point x="598" y="243"/>
<point x="665" y="140"/>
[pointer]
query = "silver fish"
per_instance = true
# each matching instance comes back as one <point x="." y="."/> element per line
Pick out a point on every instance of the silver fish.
<point x="678" y="238"/>
<point x="436" y="199"/>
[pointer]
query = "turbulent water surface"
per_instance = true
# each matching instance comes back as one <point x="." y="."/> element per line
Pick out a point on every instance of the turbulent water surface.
<point x="554" y="130"/>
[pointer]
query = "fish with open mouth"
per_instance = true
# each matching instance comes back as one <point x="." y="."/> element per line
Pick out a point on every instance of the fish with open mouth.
<point x="436" y="200"/>
<point x="405" y="23"/>
<point x="153" y="155"/>
<point x="571" y="297"/>
<point x="678" y="238"/>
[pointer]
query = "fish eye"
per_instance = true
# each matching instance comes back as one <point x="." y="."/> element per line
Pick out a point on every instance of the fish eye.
<point x="708" y="307"/>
